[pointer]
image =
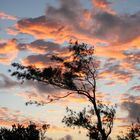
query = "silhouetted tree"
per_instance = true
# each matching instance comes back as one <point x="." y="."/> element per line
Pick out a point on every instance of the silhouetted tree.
<point x="133" y="132"/>
<point x="20" y="132"/>
<point x="77" y="74"/>
<point x="85" y="119"/>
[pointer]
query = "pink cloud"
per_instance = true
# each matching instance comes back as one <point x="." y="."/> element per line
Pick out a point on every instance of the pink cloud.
<point x="4" y="16"/>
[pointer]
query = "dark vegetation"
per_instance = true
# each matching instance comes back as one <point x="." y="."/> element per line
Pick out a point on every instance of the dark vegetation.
<point x="133" y="132"/>
<point x="76" y="74"/>
<point x="20" y="132"/>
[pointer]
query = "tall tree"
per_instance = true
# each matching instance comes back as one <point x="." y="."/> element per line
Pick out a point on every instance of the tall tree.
<point x="77" y="74"/>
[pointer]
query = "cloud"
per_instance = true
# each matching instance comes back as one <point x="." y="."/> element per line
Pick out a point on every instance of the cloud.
<point x="8" y="51"/>
<point x="39" y="60"/>
<point x="42" y="88"/>
<point x="113" y="69"/>
<point x="4" y="16"/>
<point x="6" y="82"/>
<point x="130" y="98"/>
<point x="9" y="117"/>
<point x="68" y="11"/>
<point x="72" y="20"/>
<point x="42" y="47"/>
<point x="103" y="4"/>
<point x="117" y="28"/>
<point x="133" y="58"/>
<point x="131" y="104"/>
<point x="136" y="88"/>
<point x="41" y="92"/>
<point x="34" y="96"/>
<point x="69" y="21"/>
<point x="44" y="51"/>
<point x="43" y="28"/>
<point x="132" y="108"/>
<point x="110" y="83"/>
<point x="12" y="31"/>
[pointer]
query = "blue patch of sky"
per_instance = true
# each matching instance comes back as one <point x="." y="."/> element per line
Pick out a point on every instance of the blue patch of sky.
<point x="25" y="38"/>
<point x="4" y="69"/>
<point x="25" y="8"/>
<point x="126" y="6"/>
<point x="87" y="4"/>
<point x="4" y="24"/>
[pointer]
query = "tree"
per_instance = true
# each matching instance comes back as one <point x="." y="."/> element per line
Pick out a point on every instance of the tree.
<point x="20" y="132"/>
<point x="85" y="119"/>
<point x="77" y="74"/>
<point x="133" y="132"/>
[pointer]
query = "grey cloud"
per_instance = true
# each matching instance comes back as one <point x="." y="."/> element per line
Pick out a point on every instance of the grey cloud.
<point x="135" y="88"/>
<point x="121" y="28"/>
<point x="33" y="59"/>
<point x="68" y="10"/>
<point x="113" y="67"/>
<point x="44" y="45"/>
<point x="26" y="21"/>
<point x="133" y="58"/>
<point x="49" y="49"/>
<point x="132" y="108"/>
<point x="71" y="14"/>
<point x="105" y="25"/>
<point x="39" y="46"/>
<point x="6" y="82"/>
<point x="42" y="88"/>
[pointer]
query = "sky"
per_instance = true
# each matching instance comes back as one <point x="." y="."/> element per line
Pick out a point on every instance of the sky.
<point x="32" y="29"/>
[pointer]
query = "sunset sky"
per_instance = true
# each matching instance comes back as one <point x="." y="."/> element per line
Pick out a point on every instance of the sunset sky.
<point x="30" y="30"/>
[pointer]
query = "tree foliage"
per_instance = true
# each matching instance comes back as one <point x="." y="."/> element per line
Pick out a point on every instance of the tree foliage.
<point x="77" y="74"/>
<point x="20" y="132"/>
<point x="86" y="119"/>
<point x="133" y="132"/>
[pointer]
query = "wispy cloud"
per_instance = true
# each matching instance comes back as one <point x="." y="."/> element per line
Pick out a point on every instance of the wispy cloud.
<point x="4" y="16"/>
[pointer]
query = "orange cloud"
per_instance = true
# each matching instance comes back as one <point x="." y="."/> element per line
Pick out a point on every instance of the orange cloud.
<point x="101" y="3"/>
<point x="8" y="51"/>
<point x="42" y="28"/>
<point x="116" y="50"/>
<point x="110" y="52"/>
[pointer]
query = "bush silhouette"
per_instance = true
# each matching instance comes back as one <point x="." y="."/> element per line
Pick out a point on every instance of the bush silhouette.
<point x="133" y="132"/>
<point x="20" y="132"/>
